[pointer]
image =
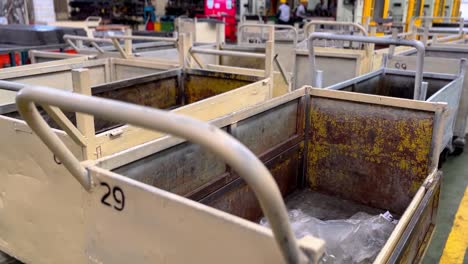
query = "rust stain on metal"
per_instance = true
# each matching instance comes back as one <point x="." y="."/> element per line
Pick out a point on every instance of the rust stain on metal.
<point x="160" y="94"/>
<point x="375" y="155"/>
<point x="198" y="87"/>
<point x="238" y="199"/>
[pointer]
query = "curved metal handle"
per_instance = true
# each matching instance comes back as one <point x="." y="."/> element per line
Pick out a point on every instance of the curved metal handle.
<point x="88" y="39"/>
<point x="244" y="18"/>
<point x="376" y="40"/>
<point x="69" y="39"/>
<point x="96" y="19"/>
<point x="334" y="23"/>
<point x="239" y="157"/>
<point x="228" y="53"/>
<point x="240" y="30"/>
<point x="146" y="38"/>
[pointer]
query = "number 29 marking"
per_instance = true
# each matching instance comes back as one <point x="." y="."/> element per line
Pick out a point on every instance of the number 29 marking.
<point x="118" y="201"/>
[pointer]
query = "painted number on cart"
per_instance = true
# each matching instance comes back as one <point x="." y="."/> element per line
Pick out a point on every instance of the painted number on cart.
<point x="113" y="197"/>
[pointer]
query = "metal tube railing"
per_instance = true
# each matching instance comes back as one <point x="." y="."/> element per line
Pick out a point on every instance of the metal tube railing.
<point x="376" y="40"/>
<point x="146" y="38"/>
<point x="240" y="30"/>
<point x="88" y="39"/>
<point x="239" y="157"/>
<point x="228" y="53"/>
<point x="333" y="23"/>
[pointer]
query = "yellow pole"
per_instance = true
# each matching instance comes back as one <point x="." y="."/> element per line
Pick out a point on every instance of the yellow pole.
<point x="421" y="8"/>
<point x="367" y="10"/>
<point x="436" y="8"/>
<point x="456" y="8"/>
<point x="385" y="9"/>
<point x="409" y="14"/>
<point x="442" y="8"/>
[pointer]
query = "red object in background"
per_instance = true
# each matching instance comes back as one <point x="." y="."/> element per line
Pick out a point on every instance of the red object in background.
<point x="150" y="26"/>
<point x="5" y="60"/>
<point x="224" y="10"/>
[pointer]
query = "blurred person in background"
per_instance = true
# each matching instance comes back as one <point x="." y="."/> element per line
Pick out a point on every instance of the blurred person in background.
<point x="284" y="13"/>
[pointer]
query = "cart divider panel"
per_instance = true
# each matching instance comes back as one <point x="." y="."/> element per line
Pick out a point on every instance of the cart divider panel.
<point x="200" y="86"/>
<point x="372" y="152"/>
<point x="275" y="135"/>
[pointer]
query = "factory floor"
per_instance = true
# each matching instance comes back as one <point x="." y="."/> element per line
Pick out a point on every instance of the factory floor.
<point x="450" y="241"/>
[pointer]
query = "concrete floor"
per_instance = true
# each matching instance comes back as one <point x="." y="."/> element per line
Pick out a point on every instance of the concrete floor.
<point x="454" y="183"/>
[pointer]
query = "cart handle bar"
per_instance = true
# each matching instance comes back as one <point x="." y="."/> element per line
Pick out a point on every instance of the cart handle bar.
<point x="249" y="167"/>
<point x="376" y="40"/>
<point x="228" y="53"/>
<point x="82" y="38"/>
<point x="240" y="30"/>
<point x="334" y="23"/>
<point x="147" y="38"/>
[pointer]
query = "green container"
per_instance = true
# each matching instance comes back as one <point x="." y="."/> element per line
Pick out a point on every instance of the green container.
<point x="167" y="26"/>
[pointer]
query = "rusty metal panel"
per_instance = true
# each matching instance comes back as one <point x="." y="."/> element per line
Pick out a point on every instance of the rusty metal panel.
<point x="268" y="129"/>
<point x="373" y="154"/>
<point x="238" y="199"/>
<point x="157" y="93"/>
<point x="199" y="84"/>
<point x="179" y="169"/>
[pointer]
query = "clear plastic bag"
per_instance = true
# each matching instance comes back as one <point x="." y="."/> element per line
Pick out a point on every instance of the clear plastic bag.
<point x="355" y="240"/>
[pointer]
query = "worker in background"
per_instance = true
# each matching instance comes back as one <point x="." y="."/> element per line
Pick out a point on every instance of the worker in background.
<point x="284" y="13"/>
<point x="332" y="6"/>
<point x="320" y="9"/>
<point x="300" y="12"/>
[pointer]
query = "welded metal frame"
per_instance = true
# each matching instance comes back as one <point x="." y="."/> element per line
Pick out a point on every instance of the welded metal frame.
<point x="233" y="152"/>
<point x="439" y="62"/>
<point x="313" y="23"/>
<point x="376" y="40"/>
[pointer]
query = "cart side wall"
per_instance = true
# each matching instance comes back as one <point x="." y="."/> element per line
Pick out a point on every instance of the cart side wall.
<point x="370" y="153"/>
<point x="186" y="169"/>
<point x="394" y="85"/>
<point x="207" y="109"/>
<point x="44" y="58"/>
<point x="59" y="77"/>
<point x="442" y="65"/>
<point x="162" y="93"/>
<point x="451" y="95"/>
<point x="36" y="191"/>
<point x="336" y="68"/>
<point x="417" y="236"/>
<point x="280" y="86"/>
<point x="122" y="69"/>
<point x="431" y="64"/>
<point x="377" y="58"/>
<point x="171" y="54"/>
<point x="351" y="146"/>
<point x="199" y="85"/>
<point x="168" y="228"/>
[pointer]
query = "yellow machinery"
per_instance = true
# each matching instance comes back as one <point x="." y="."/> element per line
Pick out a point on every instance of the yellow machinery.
<point x="455" y="12"/>
<point x="374" y="10"/>
<point x="415" y="8"/>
